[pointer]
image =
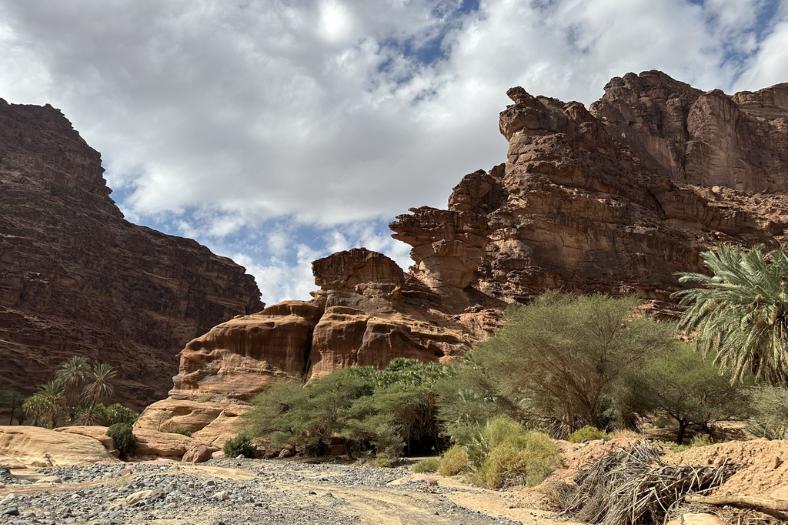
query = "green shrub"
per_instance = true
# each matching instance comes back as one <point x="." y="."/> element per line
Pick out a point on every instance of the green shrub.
<point x="587" y="433"/>
<point x="426" y="465"/>
<point x="240" y="445"/>
<point x="387" y="412"/>
<point x="122" y="438"/>
<point x="116" y="413"/>
<point x="385" y="461"/>
<point x="453" y="461"/>
<point x="680" y="383"/>
<point x="526" y="460"/>
<point x="770" y="412"/>
<point x="558" y="362"/>
<point x="701" y="440"/>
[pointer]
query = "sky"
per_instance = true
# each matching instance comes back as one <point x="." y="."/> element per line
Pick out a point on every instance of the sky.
<point x="276" y="132"/>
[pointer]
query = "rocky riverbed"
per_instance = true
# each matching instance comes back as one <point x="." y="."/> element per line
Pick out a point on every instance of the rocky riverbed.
<point x="243" y="491"/>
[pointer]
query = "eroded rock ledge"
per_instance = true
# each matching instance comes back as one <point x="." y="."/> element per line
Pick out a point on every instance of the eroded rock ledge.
<point x="615" y="198"/>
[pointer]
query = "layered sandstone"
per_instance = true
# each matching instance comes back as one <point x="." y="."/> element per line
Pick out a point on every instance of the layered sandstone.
<point x="23" y="447"/>
<point x="77" y="279"/>
<point x="614" y="199"/>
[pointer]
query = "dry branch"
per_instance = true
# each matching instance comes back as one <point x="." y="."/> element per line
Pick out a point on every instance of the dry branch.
<point x="772" y="507"/>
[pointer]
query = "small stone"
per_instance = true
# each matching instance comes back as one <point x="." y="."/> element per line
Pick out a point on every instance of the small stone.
<point x="138" y="496"/>
<point x="10" y="511"/>
<point x="50" y="479"/>
<point x="221" y="495"/>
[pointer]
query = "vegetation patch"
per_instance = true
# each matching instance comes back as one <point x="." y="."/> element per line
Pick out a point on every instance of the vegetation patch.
<point x="453" y="461"/>
<point x="122" y="439"/>
<point x="426" y="465"/>
<point x="587" y="433"/>
<point x="240" y="445"/>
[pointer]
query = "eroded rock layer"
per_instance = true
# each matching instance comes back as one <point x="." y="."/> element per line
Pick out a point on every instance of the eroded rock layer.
<point x="77" y="279"/>
<point x="615" y="199"/>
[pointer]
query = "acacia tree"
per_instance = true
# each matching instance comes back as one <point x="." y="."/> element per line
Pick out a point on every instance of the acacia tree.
<point x="739" y="313"/>
<point x="685" y="386"/>
<point x="557" y="364"/>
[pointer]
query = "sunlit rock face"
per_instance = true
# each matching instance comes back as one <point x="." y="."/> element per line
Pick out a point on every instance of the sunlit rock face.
<point x="77" y="279"/>
<point x="615" y="198"/>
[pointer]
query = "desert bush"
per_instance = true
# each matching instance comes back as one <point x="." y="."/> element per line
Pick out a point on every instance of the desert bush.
<point x="503" y="453"/>
<point x="122" y="439"/>
<point x="426" y="465"/>
<point x="388" y="412"/>
<point x="526" y="460"/>
<point x="740" y="312"/>
<point x="686" y="387"/>
<point x="109" y="415"/>
<point x="701" y="440"/>
<point x="453" y="461"/>
<point x="240" y="445"/>
<point x="557" y="364"/>
<point x="587" y="433"/>
<point x="182" y="431"/>
<point x="770" y="412"/>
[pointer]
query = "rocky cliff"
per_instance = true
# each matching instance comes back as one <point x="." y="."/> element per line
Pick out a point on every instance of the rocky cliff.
<point x="77" y="279"/>
<point x="614" y="198"/>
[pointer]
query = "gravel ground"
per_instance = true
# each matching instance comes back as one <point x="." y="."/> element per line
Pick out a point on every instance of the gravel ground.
<point x="230" y="492"/>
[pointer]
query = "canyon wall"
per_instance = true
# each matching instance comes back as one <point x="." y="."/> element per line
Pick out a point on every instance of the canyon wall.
<point x="615" y="198"/>
<point x="77" y="279"/>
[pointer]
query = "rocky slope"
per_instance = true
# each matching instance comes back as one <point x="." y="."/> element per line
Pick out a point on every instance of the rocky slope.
<point x="615" y="198"/>
<point x="77" y="279"/>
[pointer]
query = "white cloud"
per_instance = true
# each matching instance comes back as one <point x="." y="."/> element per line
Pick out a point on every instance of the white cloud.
<point x="770" y="65"/>
<point x="229" y="117"/>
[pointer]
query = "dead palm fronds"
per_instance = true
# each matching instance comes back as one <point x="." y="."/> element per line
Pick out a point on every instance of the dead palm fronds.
<point x="633" y="486"/>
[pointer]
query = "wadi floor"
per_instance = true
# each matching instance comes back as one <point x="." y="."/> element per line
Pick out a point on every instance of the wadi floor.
<point x="239" y="491"/>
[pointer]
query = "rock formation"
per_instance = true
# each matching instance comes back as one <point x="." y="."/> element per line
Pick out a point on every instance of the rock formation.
<point x="23" y="447"/>
<point x="77" y="279"/>
<point x="615" y="198"/>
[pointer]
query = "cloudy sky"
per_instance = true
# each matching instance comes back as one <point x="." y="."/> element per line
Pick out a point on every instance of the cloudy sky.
<point x="278" y="131"/>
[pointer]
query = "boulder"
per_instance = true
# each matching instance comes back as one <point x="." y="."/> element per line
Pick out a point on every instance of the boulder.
<point x="23" y="446"/>
<point x="198" y="454"/>
<point x="162" y="444"/>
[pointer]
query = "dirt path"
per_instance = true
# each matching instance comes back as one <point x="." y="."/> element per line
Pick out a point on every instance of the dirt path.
<point x="270" y="492"/>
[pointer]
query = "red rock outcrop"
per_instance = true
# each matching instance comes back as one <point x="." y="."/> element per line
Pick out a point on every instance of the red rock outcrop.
<point x="615" y="198"/>
<point x="77" y="279"/>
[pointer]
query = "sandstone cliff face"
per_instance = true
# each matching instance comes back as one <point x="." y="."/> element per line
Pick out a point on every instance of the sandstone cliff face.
<point x="77" y="279"/>
<point x="615" y="198"/>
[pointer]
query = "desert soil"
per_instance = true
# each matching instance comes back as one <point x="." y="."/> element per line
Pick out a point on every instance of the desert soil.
<point x="243" y="491"/>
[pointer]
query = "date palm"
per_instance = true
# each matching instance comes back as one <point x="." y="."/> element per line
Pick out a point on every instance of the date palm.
<point x="739" y="313"/>
<point x="73" y="375"/>
<point x="99" y="386"/>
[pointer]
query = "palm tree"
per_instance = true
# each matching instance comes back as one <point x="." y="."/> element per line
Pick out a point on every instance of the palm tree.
<point x="99" y="386"/>
<point x="740" y="312"/>
<point x="73" y="375"/>
<point x="45" y="404"/>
